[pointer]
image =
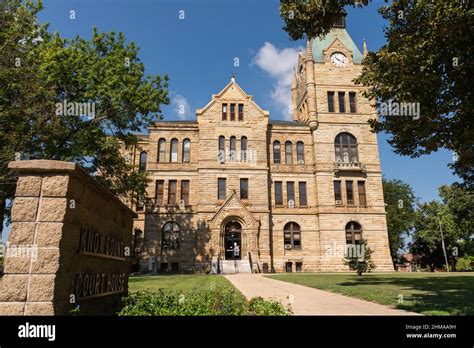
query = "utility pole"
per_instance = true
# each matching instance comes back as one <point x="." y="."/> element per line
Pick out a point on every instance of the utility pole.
<point x="442" y="244"/>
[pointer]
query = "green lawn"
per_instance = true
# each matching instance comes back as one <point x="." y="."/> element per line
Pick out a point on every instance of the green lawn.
<point x="426" y="293"/>
<point x="178" y="282"/>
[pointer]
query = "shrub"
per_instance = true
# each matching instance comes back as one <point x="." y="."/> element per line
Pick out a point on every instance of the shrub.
<point x="260" y="306"/>
<point x="464" y="263"/>
<point x="218" y="301"/>
<point x="360" y="263"/>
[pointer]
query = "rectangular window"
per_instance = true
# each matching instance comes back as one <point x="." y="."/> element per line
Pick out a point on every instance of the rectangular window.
<point x="337" y="192"/>
<point x="160" y="188"/>
<point x="244" y="188"/>
<point x="232" y="112"/>
<point x="302" y="192"/>
<point x="221" y="188"/>
<point x="241" y="112"/>
<point x="352" y="102"/>
<point x="174" y="267"/>
<point x="278" y="193"/>
<point x="350" y="193"/>
<point x="185" y="191"/>
<point x="224" y="112"/>
<point x="362" y="197"/>
<point x="164" y="267"/>
<point x="172" y="192"/>
<point x="290" y="191"/>
<point x="288" y="267"/>
<point x="299" y="266"/>
<point x="330" y="101"/>
<point x="342" y="100"/>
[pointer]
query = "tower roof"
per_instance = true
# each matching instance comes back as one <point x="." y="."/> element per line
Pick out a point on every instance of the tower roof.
<point x="318" y="45"/>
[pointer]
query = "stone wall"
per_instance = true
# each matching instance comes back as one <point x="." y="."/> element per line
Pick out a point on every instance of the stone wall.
<point x="69" y="245"/>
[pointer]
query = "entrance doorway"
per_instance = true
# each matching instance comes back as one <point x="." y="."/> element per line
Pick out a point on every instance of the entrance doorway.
<point x="232" y="240"/>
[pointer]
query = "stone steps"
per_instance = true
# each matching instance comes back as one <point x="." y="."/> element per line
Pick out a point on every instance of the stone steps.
<point x="237" y="266"/>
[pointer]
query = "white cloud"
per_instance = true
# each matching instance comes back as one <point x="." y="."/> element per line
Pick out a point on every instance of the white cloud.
<point x="181" y="107"/>
<point x="279" y="65"/>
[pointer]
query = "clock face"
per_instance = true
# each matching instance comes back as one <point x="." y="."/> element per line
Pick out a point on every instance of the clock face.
<point x="339" y="59"/>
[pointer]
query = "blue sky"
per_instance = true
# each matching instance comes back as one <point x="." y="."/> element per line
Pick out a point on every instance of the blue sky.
<point x="199" y="54"/>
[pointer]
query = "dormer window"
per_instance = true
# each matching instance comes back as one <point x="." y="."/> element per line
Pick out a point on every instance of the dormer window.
<point x="224" y="112"/>
<point x="241" y="112"/>
<point x="232" y="112"/>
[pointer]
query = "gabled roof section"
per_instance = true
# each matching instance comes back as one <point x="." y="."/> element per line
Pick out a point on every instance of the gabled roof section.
<point x="234" y="202"/>
<point x="233" y="90"/>
<point x="318" y="45"/>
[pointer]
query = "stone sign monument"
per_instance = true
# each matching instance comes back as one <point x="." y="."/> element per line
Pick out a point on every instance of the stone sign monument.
<point x="69" y="246"/>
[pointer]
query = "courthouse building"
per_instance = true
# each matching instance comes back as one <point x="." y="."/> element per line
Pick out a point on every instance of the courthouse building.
<point x="235" y="191"/>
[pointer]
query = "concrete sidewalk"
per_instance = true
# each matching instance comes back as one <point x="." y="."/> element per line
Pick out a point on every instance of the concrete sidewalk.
<point x="306" y="300"/>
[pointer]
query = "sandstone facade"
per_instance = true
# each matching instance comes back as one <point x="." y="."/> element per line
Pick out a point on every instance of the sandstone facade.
<point x="306" y="225"/>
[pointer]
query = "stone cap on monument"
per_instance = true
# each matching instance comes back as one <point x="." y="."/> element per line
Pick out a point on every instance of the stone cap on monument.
<point x="70" y="168"/>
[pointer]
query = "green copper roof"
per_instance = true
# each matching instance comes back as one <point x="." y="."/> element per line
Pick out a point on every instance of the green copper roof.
<point x="318" y="45"/>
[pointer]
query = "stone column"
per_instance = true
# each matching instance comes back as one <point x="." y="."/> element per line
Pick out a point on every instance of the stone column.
<point x="68" y="243"/>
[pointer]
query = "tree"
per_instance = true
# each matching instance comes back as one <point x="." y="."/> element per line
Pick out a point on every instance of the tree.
<point x="454" y="216"/>
<point x="427" y="60"/>
<point x="313" y="18"/>
<point x="41" y="100"/>
<point x="460" y="203"/>
<point x="359" y="257"/>
<point x="427" y="240"/>
<point x="400" y="207"/>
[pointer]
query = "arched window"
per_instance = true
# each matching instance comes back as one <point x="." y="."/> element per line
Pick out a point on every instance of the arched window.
<point x="221" y="154"/>
<point x="300" y="152"/>
<point x="276" y="152"/>
<point x="162" y="150"/>
<point x="186" y="150"/>
<point x="233" y="145"/>
<point x="345" y="147"/>
<point x="353" y="233"/>
<point x="243" y="149"/>
<point x="142" y="165"/>
<point x="292" y="236"/>
<point x="171" y="236"/>
<point x="174" y="150"/>
<point x="288" y="153"/>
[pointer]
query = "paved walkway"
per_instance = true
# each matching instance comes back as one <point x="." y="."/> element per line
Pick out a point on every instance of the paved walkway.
<point x="306" y="300"/>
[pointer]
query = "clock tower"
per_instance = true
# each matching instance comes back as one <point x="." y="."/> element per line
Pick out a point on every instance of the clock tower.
<point x="348" y="177"/>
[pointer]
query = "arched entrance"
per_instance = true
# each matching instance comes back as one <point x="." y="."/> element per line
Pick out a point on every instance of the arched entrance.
<point x="233" y="240"/>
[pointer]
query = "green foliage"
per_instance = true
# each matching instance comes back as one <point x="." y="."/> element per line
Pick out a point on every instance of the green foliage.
<point x="464" y="263"/>
<point x="312" y="18"/>
<point x="427" y="236"/>
<point x="360" y="262"/>
<point x="427" y="60"/>
<point x="198" y="302"/>
<point x="260" y="306"/>
<point x="454" y="216"/>
<point x="104" y="72"/>
<point x="400" y="207"/>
